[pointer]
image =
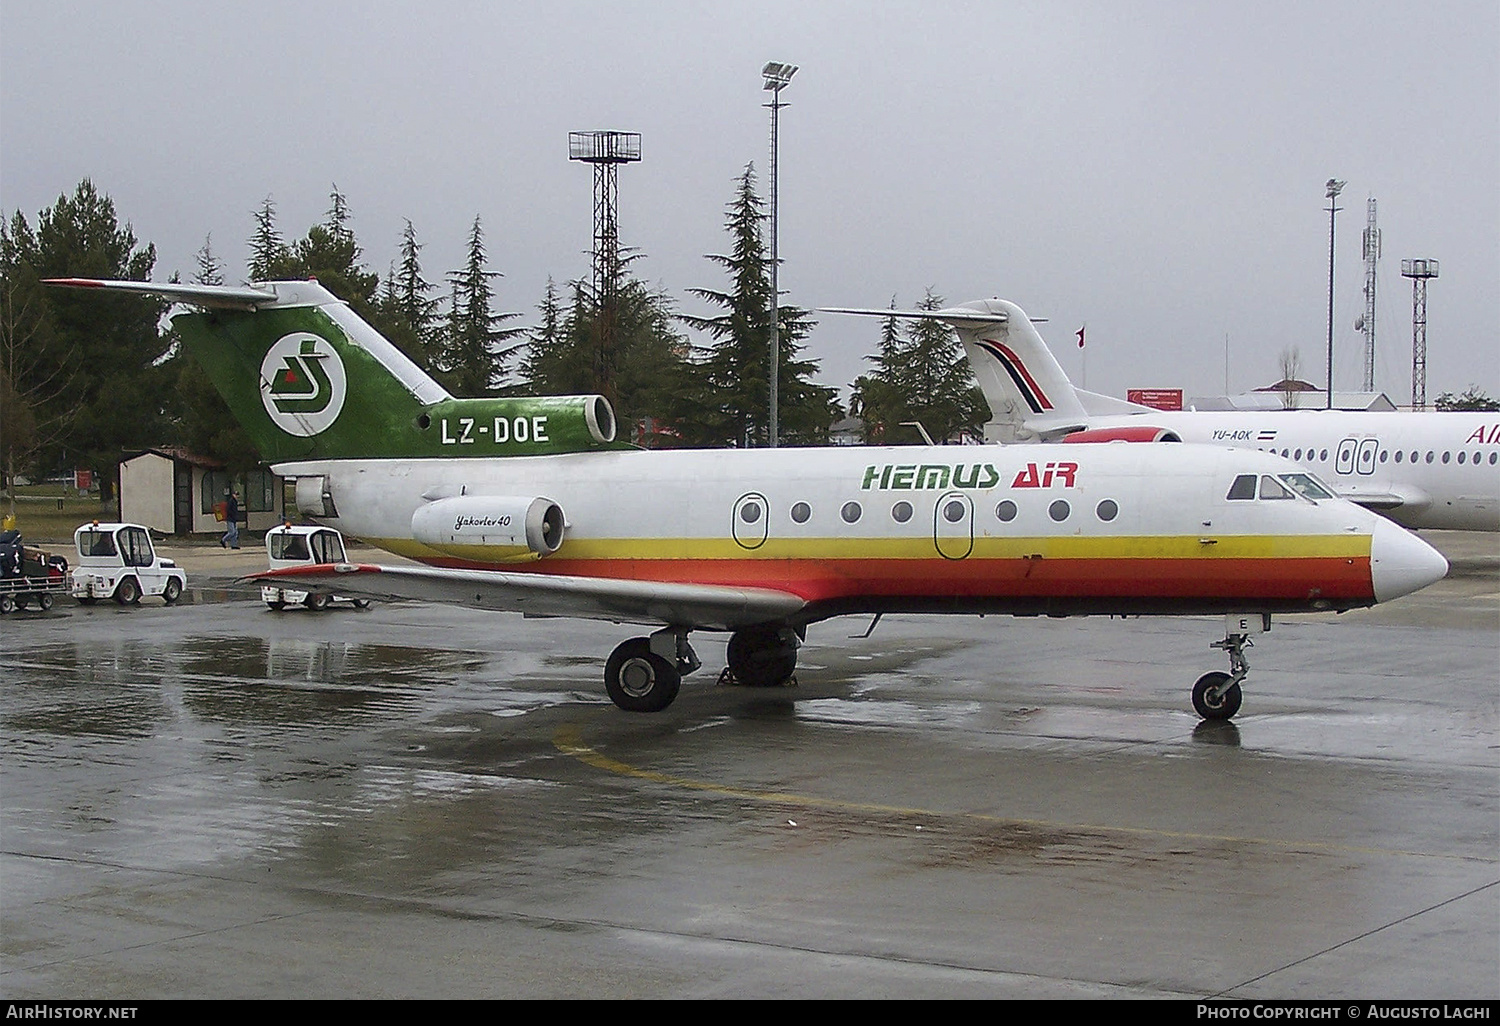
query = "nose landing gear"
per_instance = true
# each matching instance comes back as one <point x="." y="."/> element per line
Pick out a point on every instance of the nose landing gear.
<point x="1217" y="695"/>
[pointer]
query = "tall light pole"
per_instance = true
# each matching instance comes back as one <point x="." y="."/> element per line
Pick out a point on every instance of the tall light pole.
<point x="777" y="76"/>
<point x="1334" y="188"/>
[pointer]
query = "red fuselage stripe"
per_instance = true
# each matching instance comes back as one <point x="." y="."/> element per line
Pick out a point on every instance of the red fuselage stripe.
<point x="1294" y="579"/>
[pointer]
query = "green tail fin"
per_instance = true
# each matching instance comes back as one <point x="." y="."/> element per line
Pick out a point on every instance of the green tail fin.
<point x="307" y="378"/>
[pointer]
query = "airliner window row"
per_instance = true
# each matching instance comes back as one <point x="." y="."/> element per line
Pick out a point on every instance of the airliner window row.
<point x="955" y="511"/>
<point x="1385" y="455"/>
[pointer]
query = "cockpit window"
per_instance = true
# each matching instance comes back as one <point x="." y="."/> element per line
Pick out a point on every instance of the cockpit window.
<point x="1243" y="487"/>
<point x="1307" y="486"/>
<point x="1270" y="488"/>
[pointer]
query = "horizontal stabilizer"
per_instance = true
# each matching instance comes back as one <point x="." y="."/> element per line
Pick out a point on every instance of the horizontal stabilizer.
<point x="223" y="297"/>
<point x="591" y="598"/>
<point x="955" y="316"/>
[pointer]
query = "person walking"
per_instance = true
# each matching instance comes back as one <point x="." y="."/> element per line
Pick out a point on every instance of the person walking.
<point x="231" y="539"/>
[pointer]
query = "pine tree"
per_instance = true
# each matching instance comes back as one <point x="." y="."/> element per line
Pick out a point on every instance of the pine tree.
<point x="877" y="399"/>
<point x="550" y="356"/>
<point x="331" y="254"/>
<point x="268" y="252"/>
<point x="405" y="313"/>
<point x="919" y="376"/>
<point x="651" y="357"/>
<point x="36" y="370"/>
<point x="210" y="267"/>
<point x="476" y="350"/>
<point x="733" y="399"/>
<point x="111" y="344"/>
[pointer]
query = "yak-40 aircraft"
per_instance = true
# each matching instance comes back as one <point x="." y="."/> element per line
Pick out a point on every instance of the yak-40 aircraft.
<point x="530" y="505"/>
<point x="1423" y="470"/>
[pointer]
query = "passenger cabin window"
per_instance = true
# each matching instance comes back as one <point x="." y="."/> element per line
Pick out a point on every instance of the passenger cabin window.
<point x="1270" y="488"/>
<point x="1243" y="487"/>
<point x="801" y="512"/>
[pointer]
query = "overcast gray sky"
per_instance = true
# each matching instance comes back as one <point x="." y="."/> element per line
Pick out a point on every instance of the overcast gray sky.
<point x="1154" y="169"/>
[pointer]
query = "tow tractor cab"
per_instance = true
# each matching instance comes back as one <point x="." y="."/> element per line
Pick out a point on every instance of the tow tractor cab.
<point x="296" y="545"/>
<point x="118" y="561"/>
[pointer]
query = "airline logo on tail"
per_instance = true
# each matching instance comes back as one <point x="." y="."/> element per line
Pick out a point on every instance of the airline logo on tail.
<point x="1019" y="375"/>
<point x="303" y="384"/>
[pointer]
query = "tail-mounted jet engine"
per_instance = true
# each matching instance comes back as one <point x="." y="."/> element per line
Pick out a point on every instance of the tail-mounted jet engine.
<point x="503" y="528"/>
<point x="1124" y="434"/>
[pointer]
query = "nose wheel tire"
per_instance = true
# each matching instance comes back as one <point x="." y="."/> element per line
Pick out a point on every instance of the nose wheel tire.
<point x="639" y="680"/>
<point x="1213" y="700"/>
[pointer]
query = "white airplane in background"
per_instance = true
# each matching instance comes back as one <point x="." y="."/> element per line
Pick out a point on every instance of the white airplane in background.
<point x="529" y="505"/>
<point x="1423" y="470"/>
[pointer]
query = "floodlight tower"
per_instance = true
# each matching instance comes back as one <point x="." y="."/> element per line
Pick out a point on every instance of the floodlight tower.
<point x="1334" y="188"/>
<point x="777" y="76"/>
<point x="1419" y="271"/>
<point x="606" y="151"/>
<point x="1367" y="322"/>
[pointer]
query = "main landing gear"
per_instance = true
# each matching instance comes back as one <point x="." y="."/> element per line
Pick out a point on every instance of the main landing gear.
<point x="644" y="674"/>
<point x="1217" y="695"/>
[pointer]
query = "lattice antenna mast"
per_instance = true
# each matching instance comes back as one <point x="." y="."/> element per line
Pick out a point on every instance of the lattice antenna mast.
<point x="1367" y="322"/>
<point x="606" y="151"/>
<point x="1419" y="271"/>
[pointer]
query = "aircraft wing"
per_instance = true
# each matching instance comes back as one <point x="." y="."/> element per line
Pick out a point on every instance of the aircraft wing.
<point x="590" y="598"/>
<point x="1410" y="499"/>
<point x="1377" y="501"/>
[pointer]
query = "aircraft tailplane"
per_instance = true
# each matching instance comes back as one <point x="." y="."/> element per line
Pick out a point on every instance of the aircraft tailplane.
<point x="309" y="379"/>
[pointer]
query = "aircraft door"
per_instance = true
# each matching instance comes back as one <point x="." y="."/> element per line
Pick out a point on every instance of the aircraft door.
<point x="750" y="522"/>
<point x="953" y="525"/>
<point x="1364" y="463"/>
<point x="1344" y="461"/>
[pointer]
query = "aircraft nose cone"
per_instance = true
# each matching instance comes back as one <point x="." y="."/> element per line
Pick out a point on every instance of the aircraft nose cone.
<point x="1401" y="563"/>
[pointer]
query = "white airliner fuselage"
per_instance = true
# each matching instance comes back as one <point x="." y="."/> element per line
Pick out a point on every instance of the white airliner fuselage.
<point x="1423" y="470"/>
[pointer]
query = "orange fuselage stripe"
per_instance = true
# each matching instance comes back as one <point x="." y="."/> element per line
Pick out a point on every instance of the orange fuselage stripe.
<point x="822" y="580"/>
